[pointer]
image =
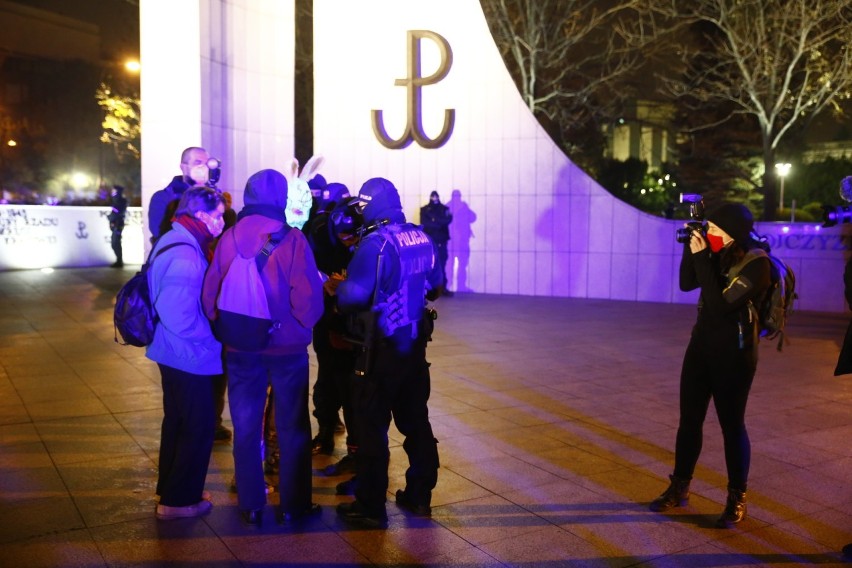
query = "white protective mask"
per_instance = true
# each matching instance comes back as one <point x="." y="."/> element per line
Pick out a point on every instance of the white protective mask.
<point x="214" y="225"/>
<point x="200" y="174"/>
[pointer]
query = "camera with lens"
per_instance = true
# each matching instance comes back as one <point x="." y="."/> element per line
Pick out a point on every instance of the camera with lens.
<point x="834" y="214"/>
<point x="696" y="213"/>
<point x="214" y="165"/>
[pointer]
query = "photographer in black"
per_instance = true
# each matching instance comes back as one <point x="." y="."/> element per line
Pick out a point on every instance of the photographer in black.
<point x="721" y="357"/>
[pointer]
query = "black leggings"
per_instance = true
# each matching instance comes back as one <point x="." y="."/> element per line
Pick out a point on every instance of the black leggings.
<point x="725" y="377"/>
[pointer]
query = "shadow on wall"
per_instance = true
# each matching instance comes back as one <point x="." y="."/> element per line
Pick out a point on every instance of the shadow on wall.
<point x="565" y="224"/>
<point x="458" y="247"/>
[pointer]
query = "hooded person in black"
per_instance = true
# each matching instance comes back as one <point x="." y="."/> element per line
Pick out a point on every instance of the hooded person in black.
<point x="435" y="218"/>
<point x="721" y="358"/>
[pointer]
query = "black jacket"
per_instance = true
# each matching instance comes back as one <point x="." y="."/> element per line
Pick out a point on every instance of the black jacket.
<point x="435" y="219"/>
<point x="725" y="321"/>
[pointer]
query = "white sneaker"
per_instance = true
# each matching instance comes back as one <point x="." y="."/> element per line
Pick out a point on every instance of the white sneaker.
<point x="165" y="513"/>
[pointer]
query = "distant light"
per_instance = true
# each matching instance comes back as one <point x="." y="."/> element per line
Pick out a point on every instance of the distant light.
<point x="47" y="270"/>
<point x="785" y="229"/>
<point x="11" y="143"/>
<point x="783" y="169"/>
<point x="133" y="66"/>
<point x="79" y="180"/>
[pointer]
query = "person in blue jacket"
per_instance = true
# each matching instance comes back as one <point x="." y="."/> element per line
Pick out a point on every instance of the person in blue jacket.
<point x="193" y="171"/>
<point x="392" y="274"/>
<point x="187" y="353"/>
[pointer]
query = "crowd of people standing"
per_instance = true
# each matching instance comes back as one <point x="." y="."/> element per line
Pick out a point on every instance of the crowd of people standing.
<point x="352" y="278"/>
<point x="353" y="282"/>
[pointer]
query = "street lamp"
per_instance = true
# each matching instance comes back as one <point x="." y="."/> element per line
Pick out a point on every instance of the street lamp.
<point x="783" y="169"/>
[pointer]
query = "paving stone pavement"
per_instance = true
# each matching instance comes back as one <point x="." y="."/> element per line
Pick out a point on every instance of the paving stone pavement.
<point x="556" y="419"/>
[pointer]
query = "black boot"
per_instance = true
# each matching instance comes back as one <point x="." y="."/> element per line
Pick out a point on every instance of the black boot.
<point x="735" y="509"/>
<point x="323" y="442"/>
<point x="677" y="495"/>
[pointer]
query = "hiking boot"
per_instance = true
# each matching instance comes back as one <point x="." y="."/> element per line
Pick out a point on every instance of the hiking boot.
<point x="735" y="509"/>
<point x="252" y="517"/>
<point x="677" y="495"/>
<point x="355" y="513"/>
<point x="346" y="464"/>
<point x="297" y="518"/>
<point x="323" y="443"/>
<point x="416" y="509"/>
<point x="347" y="487"/>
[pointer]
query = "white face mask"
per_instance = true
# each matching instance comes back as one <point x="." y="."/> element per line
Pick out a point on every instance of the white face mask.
<point x="213" y="224"/>
<point x="217" y="227"/>
<point x="200" y="174"/>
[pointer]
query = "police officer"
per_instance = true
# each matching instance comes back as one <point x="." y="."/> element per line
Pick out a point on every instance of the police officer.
<point x="116" y="223"/>
<point x="392" y="274"/>
<point x="435" y="218"/>
<point x="334" y="361"/>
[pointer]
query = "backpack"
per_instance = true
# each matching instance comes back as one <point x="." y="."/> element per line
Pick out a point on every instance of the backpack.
<point x="777" y="304"/>
<point x="134" y="316"/>
<point x="243" y="320"/>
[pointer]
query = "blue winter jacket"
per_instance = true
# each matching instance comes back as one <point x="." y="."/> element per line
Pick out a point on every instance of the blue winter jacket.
<point x="183" y="338"/>
<point x="160" y="203"/>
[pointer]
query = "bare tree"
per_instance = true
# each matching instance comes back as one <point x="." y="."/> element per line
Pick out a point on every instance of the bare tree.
<point x="565" y="55"/>
<point x="779" y="61"/>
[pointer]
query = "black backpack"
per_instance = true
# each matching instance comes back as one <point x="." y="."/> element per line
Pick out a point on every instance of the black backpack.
<point x="134" y="317"/>
<point x="777" y="304"/>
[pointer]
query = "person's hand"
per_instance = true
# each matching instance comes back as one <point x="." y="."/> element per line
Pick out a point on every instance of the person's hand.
<point x="697" y="242"/>
<point x="333" y="281"/>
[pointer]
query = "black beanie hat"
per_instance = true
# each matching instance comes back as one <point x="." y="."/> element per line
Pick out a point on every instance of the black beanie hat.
<point x="735" y="219"/>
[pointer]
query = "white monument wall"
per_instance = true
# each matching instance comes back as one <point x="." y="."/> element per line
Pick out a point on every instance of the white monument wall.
<point x="543" y="226"/>
<point x="216" y="74"/>
<point x="219" y="73"/>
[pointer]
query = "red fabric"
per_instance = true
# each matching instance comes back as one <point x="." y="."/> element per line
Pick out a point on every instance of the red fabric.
<point x="716" y="243"/>
<point x="201" y="233"/>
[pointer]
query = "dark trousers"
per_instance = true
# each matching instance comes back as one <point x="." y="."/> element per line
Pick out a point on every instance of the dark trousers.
<point x="220" y="387"/>
<point x="332" y="390"/>
<point x="186" y="439"/>
<point x="443" y="255"/>
<point x="115" y="242"/>
<point x="249" y="376"/>
<point x="398" y="386"/>
<point x="725" y="377"/>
